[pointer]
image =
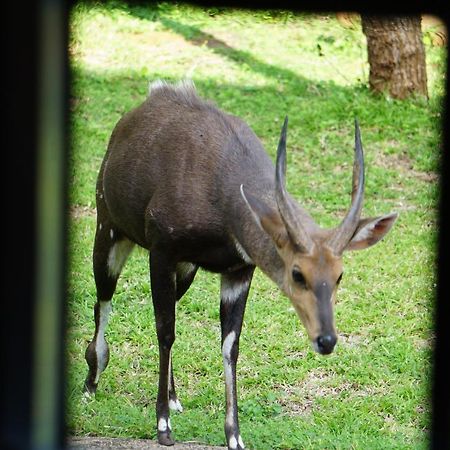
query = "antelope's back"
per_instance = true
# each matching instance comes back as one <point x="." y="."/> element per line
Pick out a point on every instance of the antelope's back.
<point x="174" y="158"/>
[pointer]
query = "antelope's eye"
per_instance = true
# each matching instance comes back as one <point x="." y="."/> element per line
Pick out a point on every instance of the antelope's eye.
<point x="339" y="279"/>
<point x="299" y="278"/>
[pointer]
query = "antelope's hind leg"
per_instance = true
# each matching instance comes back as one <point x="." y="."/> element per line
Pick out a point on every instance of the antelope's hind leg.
<point x="165" y="276"/>
<point x="111" y="250"/>
<point x="185" y="276"/>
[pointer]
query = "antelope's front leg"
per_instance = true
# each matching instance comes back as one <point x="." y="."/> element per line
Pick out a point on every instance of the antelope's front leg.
<point x="233" y="297"/>
<point x="163" y="282"/>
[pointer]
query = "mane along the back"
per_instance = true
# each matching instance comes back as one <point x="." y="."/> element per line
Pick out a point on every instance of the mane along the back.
<point x="183" y="93"/>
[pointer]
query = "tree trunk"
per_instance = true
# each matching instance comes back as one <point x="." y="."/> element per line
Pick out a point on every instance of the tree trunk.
<point x="396" y="55"/>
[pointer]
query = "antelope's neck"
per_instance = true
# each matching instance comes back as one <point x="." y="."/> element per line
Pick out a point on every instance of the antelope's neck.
<point x="253" y="243"/>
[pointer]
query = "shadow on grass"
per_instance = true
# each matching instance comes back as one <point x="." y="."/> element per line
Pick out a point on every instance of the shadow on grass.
<point x="199" y="38"/>
<point x="320" y="138"/>
<point x="314" y="107"/>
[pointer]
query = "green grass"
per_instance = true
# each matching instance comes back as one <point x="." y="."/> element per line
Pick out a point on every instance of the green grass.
<point x="373" y="391"/>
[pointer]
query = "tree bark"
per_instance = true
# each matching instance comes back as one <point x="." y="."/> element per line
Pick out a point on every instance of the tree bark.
<point x="396" y="55"/>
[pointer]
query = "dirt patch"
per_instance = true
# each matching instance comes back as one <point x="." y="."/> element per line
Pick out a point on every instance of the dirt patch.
<point x="352" y="340"/>
<point x="303" y="398"/>
<point x="93" y="443"/>
<point x="79" y="211"/>
<point x="402" y="163"/>
<point x="300" y="400"/>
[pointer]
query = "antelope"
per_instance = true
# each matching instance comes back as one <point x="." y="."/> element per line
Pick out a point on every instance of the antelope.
<point x="194" y="186"/>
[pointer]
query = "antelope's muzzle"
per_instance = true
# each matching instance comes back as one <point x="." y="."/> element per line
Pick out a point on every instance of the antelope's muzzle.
<point x="325" y="343"/>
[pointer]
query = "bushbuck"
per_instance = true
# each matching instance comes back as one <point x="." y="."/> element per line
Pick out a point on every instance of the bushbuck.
<point x="194" y="186"/>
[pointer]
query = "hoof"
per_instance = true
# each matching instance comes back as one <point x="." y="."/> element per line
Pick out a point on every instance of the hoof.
<point x="164" y="438"/>
<point x="90" y="387"/>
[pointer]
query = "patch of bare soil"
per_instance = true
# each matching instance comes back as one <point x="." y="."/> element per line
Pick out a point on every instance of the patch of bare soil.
<point x="402" y="163"/>
<point x="94" y="443"/>
<point x="78" y="211"/>
<point x="302" y="399"/>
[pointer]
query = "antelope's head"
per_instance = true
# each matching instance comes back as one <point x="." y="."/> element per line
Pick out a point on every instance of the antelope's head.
<point x="312" y="256"/>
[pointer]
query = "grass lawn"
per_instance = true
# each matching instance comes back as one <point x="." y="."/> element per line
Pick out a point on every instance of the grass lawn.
<point x="372" y="392"/>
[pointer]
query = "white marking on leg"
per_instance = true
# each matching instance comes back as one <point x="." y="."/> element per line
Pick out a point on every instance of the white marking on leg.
<point x="233" y="442"/>
<point x="162" y="424"/>
<point x="227" y="345"/>
<point x="111" y="233"/>
<point x="230" y="415"/>
<point x="241" y="442"/>
<point x="100" y="226"/>
<point x="118" y="254"/>
<point x="169" y="425"/>
<point x="87" y="396"/>
<point x="175" y="405"/>
<point x="101" y="347"/>
<point x="228" y="370"/>
<point x="230" y="290"/>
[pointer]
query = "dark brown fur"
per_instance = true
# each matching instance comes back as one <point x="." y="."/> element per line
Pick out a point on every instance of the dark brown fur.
<point x="172" y="181"/>
<point x="173" y="170"/>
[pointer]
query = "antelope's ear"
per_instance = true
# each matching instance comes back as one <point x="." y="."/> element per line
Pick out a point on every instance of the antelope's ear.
<point x="370" y="231"/>
<point x="267" y="218"/>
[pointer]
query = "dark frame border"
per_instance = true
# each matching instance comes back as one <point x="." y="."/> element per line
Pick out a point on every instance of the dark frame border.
<point x="36" y="110"/>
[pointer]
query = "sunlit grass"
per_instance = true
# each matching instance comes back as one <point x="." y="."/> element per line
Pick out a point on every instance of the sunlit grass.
<point x="373" y="391"/>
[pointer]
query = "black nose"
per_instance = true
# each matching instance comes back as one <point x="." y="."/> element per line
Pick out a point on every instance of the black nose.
<point x="326" y="343"/>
